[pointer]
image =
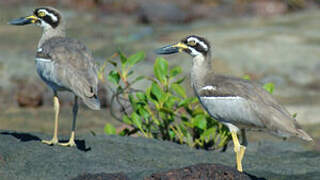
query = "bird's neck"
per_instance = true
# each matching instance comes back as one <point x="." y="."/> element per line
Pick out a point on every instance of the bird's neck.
<point x="49" y="33"/>
<point x="201" y="67"/>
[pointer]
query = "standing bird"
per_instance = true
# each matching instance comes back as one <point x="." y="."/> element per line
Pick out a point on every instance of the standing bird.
<point x="235" y="102"/>
<point x="64" y="64"/>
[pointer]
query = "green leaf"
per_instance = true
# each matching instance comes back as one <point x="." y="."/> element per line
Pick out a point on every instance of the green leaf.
<point x="179" y="90"/>
<point x="135" y="58"/>
<point x="161" y="69"/>
<point x="172" y="134"/>
<point x="136" y="120"/>
<point x="209" y="132"/>
<point x="179" y="81"/>
<point x="129" y="73"/>
<point x="269" y="87"/>
<point x="246" y="77"/>
<point x="185" y="102"/>
<point x="109" y="129"/>
<point x="112" y="62"/>
<point x="175" y="71"/>
<point x="133" y="102"/>
<point x="294" y="115"/>
<point x="139" y="78"/>
<point x="200" y="121"/>
<point x="93" y="133"/>
<point x="171" y="101"/>
<point x="123" y="58"/>
<point x="156" y="91"/>
<point x="144" y="113"/>
<point x="141" y="96"/>
<point x="114" y="77"/>
<point x="126" y="120"/>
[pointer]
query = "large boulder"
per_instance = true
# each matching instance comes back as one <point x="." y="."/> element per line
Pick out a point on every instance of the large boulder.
<point x="22" y="156"/>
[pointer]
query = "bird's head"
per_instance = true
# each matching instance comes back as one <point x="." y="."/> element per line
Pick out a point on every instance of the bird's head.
<point x="46" y="17"/>
<point x="193" y="45"/>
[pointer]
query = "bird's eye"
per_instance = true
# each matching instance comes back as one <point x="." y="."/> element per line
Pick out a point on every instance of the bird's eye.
<point x="192" y="43"/>
<point x="41" y="14"/>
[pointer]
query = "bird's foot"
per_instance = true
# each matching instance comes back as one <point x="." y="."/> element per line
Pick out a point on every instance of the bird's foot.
<point x="71" y="143"/>
<point x="53" y="141"/>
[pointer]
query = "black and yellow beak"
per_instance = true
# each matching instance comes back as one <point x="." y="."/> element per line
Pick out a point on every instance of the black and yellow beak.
<point x="171" y="49"/>
<point x="24" y="20"/>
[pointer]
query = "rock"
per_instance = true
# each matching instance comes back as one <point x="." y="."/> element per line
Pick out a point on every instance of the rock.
<point x="23" y="156"/>
<point x="269" y="7"/>
<point x="200" y="171"/>
<point x="161" y="12"/>
<point x="29" y="93"/>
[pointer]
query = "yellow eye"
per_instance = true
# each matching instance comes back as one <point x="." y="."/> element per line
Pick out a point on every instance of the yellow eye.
<point x="192" y="43"/>
<point x="41" y="14"/>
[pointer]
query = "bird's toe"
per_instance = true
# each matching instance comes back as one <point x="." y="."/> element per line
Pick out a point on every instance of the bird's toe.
<point x="53" y="141"/>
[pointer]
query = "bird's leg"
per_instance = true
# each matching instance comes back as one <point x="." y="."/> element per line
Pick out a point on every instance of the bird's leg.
<point x="237" y="148"/>
<point x="244" y="143"/>
<point x="75" y="112"/>
<point x="56" y="107"/>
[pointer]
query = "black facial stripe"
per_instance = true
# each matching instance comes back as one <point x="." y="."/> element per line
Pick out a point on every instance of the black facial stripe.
<point x="197" y="46"/>
<point x="48" y="18"/>
<point x="201" y="49"/>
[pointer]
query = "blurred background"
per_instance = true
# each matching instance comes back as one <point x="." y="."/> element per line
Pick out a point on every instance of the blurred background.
<point x="274" y="41"/>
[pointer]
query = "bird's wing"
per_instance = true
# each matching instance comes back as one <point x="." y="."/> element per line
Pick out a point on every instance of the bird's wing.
<point x="224" y="86"/>
<point x="74" y="65"/>
<point x="240" y="101"/>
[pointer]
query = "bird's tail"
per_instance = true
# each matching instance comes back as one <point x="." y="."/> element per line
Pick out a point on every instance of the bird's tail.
<point x="92" y="102"/>
<point x="303" y="135"/>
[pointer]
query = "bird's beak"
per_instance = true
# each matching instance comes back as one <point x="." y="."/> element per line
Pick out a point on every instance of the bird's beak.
<point x="24" y="20"/>
<point x="171" y="49"/>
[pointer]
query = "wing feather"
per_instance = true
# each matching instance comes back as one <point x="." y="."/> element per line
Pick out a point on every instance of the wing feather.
<point x="74" y="65"/>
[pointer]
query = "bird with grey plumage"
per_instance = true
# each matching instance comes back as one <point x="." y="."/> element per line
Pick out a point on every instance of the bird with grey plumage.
<point x="237" y="103"/>
<point x="64" y="64"/>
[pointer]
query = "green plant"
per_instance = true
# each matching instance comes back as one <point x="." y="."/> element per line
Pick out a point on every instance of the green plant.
<point x="162" y="110"/>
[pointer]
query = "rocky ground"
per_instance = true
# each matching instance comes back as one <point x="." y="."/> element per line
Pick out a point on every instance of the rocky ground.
<point x="22" y="156"/>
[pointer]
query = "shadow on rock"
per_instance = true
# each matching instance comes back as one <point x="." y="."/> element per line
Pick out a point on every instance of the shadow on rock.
<point x="81" y="145"/>
<point x="24" y="137"/>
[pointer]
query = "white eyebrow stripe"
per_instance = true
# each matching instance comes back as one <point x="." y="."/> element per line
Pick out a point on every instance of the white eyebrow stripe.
<point x="198" y="41"/>
<point x="53" y="17"/>
<point x="212" y="88"/>
<point x="43" y="60"/>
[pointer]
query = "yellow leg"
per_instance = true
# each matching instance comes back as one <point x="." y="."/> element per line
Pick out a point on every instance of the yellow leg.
<point x="242" y="151"/>
<point x="237" y="150"/>
<point x="75" y="112"/>
<point x="56" y="106"/>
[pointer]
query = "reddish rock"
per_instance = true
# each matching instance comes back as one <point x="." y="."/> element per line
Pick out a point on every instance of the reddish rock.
<point x="29" y="93"/>
<point x="200" y="171"/>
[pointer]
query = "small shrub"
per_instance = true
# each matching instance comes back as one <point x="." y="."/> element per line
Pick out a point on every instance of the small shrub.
<point x="162" y="110"/>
